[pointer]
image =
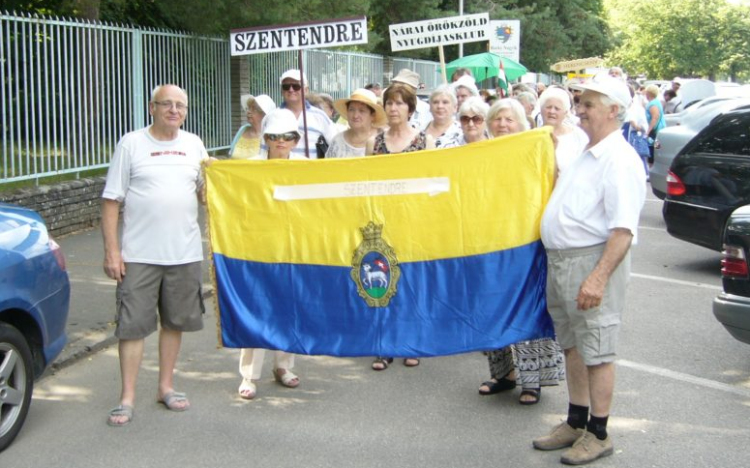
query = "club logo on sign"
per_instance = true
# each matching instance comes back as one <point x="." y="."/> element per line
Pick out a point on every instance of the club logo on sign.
<point x="503" y="33"/>
<point x="375" y="268"/>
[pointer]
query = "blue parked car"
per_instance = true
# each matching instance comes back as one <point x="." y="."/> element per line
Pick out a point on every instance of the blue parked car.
<point x="34" y="301"/>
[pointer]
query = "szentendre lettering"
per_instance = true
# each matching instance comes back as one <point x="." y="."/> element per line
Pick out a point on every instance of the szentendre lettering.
<point x="365" y="189"/>
<point x="309" y="36"/>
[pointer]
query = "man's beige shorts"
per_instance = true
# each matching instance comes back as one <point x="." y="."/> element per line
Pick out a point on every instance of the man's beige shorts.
<point x="592" y="332"/>
<point x="174" y="290"/>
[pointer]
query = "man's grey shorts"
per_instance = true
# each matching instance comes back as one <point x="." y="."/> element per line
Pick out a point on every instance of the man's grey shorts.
<point x="592" y="332"/>
<point x="174" y="289"/>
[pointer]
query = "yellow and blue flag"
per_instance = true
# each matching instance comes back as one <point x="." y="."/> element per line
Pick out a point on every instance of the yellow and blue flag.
<point x="417" y="254"/>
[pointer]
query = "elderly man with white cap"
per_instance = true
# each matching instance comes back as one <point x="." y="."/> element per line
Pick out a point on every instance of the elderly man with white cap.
<point x="587" y="228"/>
<point x="422" y="116"/>
<point x="318" y="123"/>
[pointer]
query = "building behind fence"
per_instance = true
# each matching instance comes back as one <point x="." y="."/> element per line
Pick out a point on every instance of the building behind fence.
<point x="69" y="89"/>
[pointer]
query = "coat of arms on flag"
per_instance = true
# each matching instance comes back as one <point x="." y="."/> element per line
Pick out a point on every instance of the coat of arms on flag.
<point x="375" y="268"/>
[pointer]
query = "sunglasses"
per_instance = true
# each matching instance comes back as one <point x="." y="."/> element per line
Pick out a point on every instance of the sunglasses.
<point x="294" y="86"/>
<point x="477" y="119"/>
<point x="284" y="136"/>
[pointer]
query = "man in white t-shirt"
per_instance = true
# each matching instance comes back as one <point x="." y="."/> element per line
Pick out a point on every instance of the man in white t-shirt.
<point x="156" y="173"/>
<point x="587" y="228"/>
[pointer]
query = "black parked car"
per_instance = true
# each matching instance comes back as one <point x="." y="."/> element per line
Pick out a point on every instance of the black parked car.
<point x="708" y="180"/>
<point x="732" y="306"/>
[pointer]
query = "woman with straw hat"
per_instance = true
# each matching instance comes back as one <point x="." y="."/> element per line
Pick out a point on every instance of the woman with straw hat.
<point x="365" y="117"/>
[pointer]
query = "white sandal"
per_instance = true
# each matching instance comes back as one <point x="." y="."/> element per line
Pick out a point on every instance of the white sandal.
<point x="247" y="389"/>
<point x="286" y="379"/>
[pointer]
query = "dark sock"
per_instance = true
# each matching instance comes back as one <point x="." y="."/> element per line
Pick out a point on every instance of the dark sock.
<point x="577" y="416"/>
<point x="598" y="426"/>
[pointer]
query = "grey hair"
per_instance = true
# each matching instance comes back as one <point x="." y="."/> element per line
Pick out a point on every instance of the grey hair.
<point x="622" y="111"/>
<point x="474" y="105"/>
<point x="156" y="90"/>
<point x="444" y="90"/>
<point x="512" y="105"/>
<point x="527" y="97"/>
<point x="555" y="93"/>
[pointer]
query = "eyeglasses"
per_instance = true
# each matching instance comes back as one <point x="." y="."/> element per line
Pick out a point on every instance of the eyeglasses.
<point x="284" y="136"/>
<point x="476" y="119"/>
<point x="294" y="86"/>
<point x="181" y="107"/>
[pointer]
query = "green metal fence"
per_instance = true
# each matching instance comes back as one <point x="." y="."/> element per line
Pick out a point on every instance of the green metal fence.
<point x="69" y="89"/>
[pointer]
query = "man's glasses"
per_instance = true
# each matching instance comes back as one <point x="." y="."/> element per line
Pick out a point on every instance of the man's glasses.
<point x="477" y="119"/>
<point x="284" y="136"/>
<point x="294" y="86"/>
<point x="181" y="107"/>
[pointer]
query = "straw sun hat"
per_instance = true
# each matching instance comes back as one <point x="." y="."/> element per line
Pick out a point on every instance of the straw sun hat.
<point x="367" y="98"/>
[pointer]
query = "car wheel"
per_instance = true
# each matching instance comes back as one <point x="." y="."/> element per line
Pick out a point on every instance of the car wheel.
<point x="16" y="383"/>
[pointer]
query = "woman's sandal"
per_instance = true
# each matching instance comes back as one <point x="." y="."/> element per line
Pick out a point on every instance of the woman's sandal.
<point x="247" y="389"/>
<point x="381" y="363"/>
<point x="501" y="385"/>
<point x="411" y="362"/>
<point x="535" y="393"/>
<point x="287" y="378"/>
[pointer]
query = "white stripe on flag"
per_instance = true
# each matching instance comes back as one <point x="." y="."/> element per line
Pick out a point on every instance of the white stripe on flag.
<point x="370" y="188"/>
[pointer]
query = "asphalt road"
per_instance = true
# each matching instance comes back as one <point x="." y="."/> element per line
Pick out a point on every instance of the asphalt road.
<point x="682" y="397"/>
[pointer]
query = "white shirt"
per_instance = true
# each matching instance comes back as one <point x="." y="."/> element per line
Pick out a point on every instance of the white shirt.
<point x="158" y="181"/>
<point x="450" y="137"/>
<point x="340" y="148"/>
<point x="602" y="190"/>
<point x="318" y="124"/>
<point x="421" y="116"/>
<point x="569" y="147"/>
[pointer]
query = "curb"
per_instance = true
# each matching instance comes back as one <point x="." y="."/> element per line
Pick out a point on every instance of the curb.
<point x="69" y="356"/>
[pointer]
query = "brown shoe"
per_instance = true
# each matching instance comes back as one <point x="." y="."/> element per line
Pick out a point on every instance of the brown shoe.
<point x="563" y="435"/>
<point x="587" y="449"/>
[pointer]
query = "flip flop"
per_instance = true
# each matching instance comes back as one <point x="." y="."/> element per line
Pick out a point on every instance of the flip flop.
<point x="171" y="400"/>
<point x="496" y="387"/>
<point x="411" y="362"/>
<point x="122" y="410"/>
<point x="535" y="393"/>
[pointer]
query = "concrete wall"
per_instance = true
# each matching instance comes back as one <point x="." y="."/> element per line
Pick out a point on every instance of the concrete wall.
<point x="67" y="207"/>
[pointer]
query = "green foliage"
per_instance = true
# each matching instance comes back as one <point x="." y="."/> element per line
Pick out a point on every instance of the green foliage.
<point x="687" y="38"/>
<point x="551" y="30"/>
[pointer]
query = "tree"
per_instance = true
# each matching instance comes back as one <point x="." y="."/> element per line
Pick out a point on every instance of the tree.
<point x="551" y="30"/>
<point x="701" y="38"/>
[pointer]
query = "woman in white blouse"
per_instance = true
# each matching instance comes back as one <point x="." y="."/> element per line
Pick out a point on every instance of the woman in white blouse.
<point x="365" y="117"/>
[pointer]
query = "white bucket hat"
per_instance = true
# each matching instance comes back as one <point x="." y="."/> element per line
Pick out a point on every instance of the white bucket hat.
<point x="280" y="121"/>
<point x="467" y="82"/>
<point x="408" y="77"/>
<point x="263" y="101"/>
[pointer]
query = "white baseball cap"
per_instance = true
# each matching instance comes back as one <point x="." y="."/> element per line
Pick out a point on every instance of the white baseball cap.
<point x="293" y="74"/>
<point x="613" y="88"/>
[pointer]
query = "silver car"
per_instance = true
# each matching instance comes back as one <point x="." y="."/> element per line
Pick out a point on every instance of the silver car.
<point x="672" y="139"/>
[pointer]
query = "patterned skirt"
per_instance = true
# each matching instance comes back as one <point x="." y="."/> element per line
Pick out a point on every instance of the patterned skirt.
<point x="537" y="362"/>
